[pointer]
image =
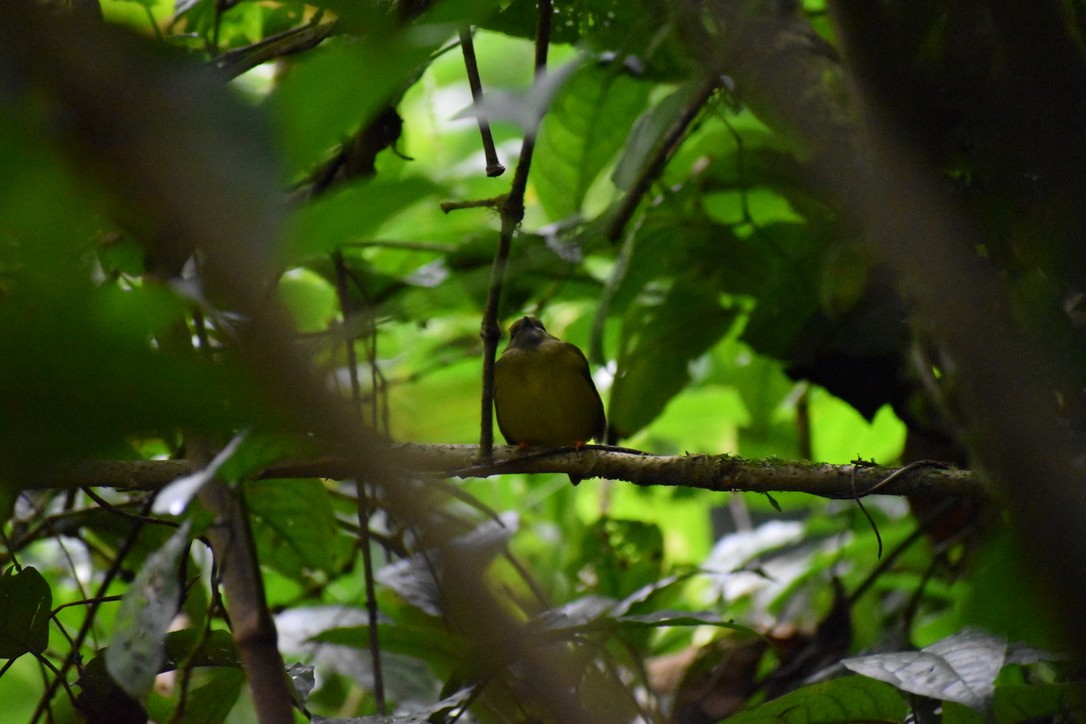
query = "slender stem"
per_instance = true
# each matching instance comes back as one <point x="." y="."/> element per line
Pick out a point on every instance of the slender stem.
<point x="512" y="213"/>
<point x="346" y="309"/>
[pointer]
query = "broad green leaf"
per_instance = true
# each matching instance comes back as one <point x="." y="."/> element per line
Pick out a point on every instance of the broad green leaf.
<point x="310" y="299"/>
<point x="1003" y="596"/>
<point x="647" y="132"/>
<point x="850" y="699"/>
<point x="426" y="639"/>
<point x="670" y="242"/>
<point x="26" y="601"/>
<point x="295" y="527"/>
<point x="259" y="450"/>
<point x="585" y="127"/>
<point x="840" y="433"/>
<point x="658" y="343"/>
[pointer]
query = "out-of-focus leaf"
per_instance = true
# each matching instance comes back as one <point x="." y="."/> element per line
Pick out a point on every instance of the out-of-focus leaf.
<point x="448" y="709"/>
<point x="101" y="699"/>
<point x="137" y="650"/>
<point x="316" y="106"/>
<point x="350" y="215"/>
<point x="310" y="299"/>
<point x="962" y="668"/>
<point x="585" y="127"/>
<point x="851" y="699"/>
<point x="259" y="450"/>
<point x="1004" y="598"/>
<point x="296" y="531"/>
<point x="1039" y="702"/>
<point x="62" y="367"/>
<point x="601" y="614"/>
<point x="26" y="600"/>
<point x="209" y="703"/>
<point x="427" y="640"/>
<point x="525" y="108"/>
<point x="664" y="619"/>
<point x="176" y="496"/>
<point x="606" y="26"/>
<point x="620" y="555"/>
<point x="658" y="343"/>
<point x="184" y="164"/>
<point x="413" y="578"/>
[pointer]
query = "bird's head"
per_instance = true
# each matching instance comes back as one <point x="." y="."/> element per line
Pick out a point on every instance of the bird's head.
<point x="527" y="333"/>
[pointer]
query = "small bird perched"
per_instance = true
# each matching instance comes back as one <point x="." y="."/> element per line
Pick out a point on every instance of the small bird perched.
<point x="543" y="391"/>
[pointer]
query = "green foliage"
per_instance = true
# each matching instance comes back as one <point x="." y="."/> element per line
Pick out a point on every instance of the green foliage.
<point x="852" y="698"/>
<point x="734" y="313"/>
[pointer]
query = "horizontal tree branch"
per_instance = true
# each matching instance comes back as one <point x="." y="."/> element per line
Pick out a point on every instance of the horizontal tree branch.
<point x="708" y="472"/>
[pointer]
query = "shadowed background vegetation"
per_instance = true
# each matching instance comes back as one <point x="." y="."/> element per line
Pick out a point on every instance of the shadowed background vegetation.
<point x="846" y="234"/>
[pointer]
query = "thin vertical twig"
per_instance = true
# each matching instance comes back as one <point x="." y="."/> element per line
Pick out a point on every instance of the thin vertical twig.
<point x="511" y="209"/>
<point x="347" y="309"/>
<point x="494" y="166"/>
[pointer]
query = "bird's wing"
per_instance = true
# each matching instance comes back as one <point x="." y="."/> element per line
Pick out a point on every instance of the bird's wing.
<point x="586" y="372"/>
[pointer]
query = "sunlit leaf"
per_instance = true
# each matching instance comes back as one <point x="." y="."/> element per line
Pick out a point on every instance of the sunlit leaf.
<point x="961" y="668"/>
<point x="585" y="127"/>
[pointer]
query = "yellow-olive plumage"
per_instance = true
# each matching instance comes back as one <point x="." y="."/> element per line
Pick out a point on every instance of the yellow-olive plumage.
<point x="543" y="390"/>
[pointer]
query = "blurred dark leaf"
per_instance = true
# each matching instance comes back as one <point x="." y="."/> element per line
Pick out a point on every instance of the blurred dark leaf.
<point x="427" y="639"/>
<point x="1039" y="701"/>
<point x="212" y="700"/>
<point x="26" y="601"/>
<point x="414" y="578"/>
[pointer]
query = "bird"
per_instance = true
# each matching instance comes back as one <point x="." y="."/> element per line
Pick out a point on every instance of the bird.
<point x="543" y="391"/>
